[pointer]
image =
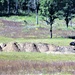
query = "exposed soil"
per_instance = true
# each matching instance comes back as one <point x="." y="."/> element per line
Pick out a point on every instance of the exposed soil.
<point x="19" y="29"/>
<point x="36" y="47"/>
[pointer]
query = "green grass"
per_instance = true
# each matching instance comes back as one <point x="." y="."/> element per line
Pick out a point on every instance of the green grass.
<point x="21" y="18"/>
<point x="55" y="41"/>
<point x="36" y="56"/>
<point x="5" y="39"/>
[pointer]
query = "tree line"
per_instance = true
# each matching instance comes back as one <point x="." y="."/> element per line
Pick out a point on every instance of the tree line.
<point x="49" y="9"/>
<point x="17" y="6"/>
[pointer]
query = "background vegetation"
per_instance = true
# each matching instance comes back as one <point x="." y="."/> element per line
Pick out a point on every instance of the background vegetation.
<point x="28" y="21"/>
<point x="49" y="9"/>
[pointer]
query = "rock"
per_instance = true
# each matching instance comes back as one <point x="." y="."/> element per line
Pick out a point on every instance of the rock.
<point x="42" y="47"/>
<point x="11" y="47"/>
<point x="72" y="44"/>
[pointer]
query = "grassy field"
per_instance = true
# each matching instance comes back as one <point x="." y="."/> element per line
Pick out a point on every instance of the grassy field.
<point x="20" y="63"/>
<point x="36" y="56"/>
<point x="55" y="41"/>
<point x="55" y="64"/>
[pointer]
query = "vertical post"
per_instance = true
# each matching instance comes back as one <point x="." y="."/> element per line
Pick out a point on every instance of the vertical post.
<point x="16" y="7"/>
<point x="29" y="6"/>
<point x="36" y="10"/>
<point x="8" y="9"/>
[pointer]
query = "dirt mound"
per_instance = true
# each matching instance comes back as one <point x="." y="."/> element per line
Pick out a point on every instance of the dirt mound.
<point x="42" y="47"/>
<point x="30" y="47"/>
<point x="65" y="49"/>
<point x="27" y="47"/>
<point x="52" y="47"/>
<point x="35" y="47"/>
<point x="11" y="47"/>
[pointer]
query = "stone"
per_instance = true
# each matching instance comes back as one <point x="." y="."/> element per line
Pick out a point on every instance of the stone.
<point x="72" y="44"/>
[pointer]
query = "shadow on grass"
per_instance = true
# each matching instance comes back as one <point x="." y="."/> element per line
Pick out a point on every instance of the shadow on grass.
<point x="11" y="14"/>
<point x="71" y="37"/>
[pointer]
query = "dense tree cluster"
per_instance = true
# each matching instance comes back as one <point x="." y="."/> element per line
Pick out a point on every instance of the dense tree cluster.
<point x="17" y="6"/>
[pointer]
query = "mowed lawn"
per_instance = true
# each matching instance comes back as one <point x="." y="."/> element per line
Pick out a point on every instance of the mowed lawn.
<point x="36" y="56"/>
<point x="55" y="41"/>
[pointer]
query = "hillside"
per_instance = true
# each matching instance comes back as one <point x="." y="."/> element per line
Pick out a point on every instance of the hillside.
<point x="23" y="27"/>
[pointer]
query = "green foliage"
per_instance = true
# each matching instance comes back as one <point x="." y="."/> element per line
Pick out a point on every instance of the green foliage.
<point x="50" y="12"/>
<point x="66" y="10"/>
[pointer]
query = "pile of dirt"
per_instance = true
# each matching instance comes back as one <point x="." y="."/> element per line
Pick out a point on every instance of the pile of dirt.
<point x="35" y="47"/>
<point x="11" y="47"/>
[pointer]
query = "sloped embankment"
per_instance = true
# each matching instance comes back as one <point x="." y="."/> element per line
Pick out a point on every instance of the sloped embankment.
<point x="35" y="47"/>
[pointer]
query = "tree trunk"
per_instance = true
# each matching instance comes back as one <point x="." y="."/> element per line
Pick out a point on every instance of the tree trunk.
<point x="28" y="9"/>
<point x="37" y="12"/>
<point x="67" y="22"/>
<point x="8" y="8"/>
<point x="16" y="7"/>
<point x="51" y="30"/>
<point x="36" y="16"/>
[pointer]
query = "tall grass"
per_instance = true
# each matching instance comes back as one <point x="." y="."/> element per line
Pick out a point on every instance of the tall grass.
<point x="19" y="67"/>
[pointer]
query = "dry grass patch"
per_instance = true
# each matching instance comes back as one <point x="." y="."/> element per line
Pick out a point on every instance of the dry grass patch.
<point x="23" y="67"/>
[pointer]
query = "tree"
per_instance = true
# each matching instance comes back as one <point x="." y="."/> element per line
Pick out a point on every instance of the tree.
<point x="8" y="7"/>
<point x="67" y="10"/>
<point x="16" y="6"/>
<point x="24" y="5"/>
<point x="50" y="12"/>
<point x="1" y="5"/>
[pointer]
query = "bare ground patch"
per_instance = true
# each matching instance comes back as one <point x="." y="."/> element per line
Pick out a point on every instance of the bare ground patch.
<point x="23" y="67"/>
<point x="20" y="29"/>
